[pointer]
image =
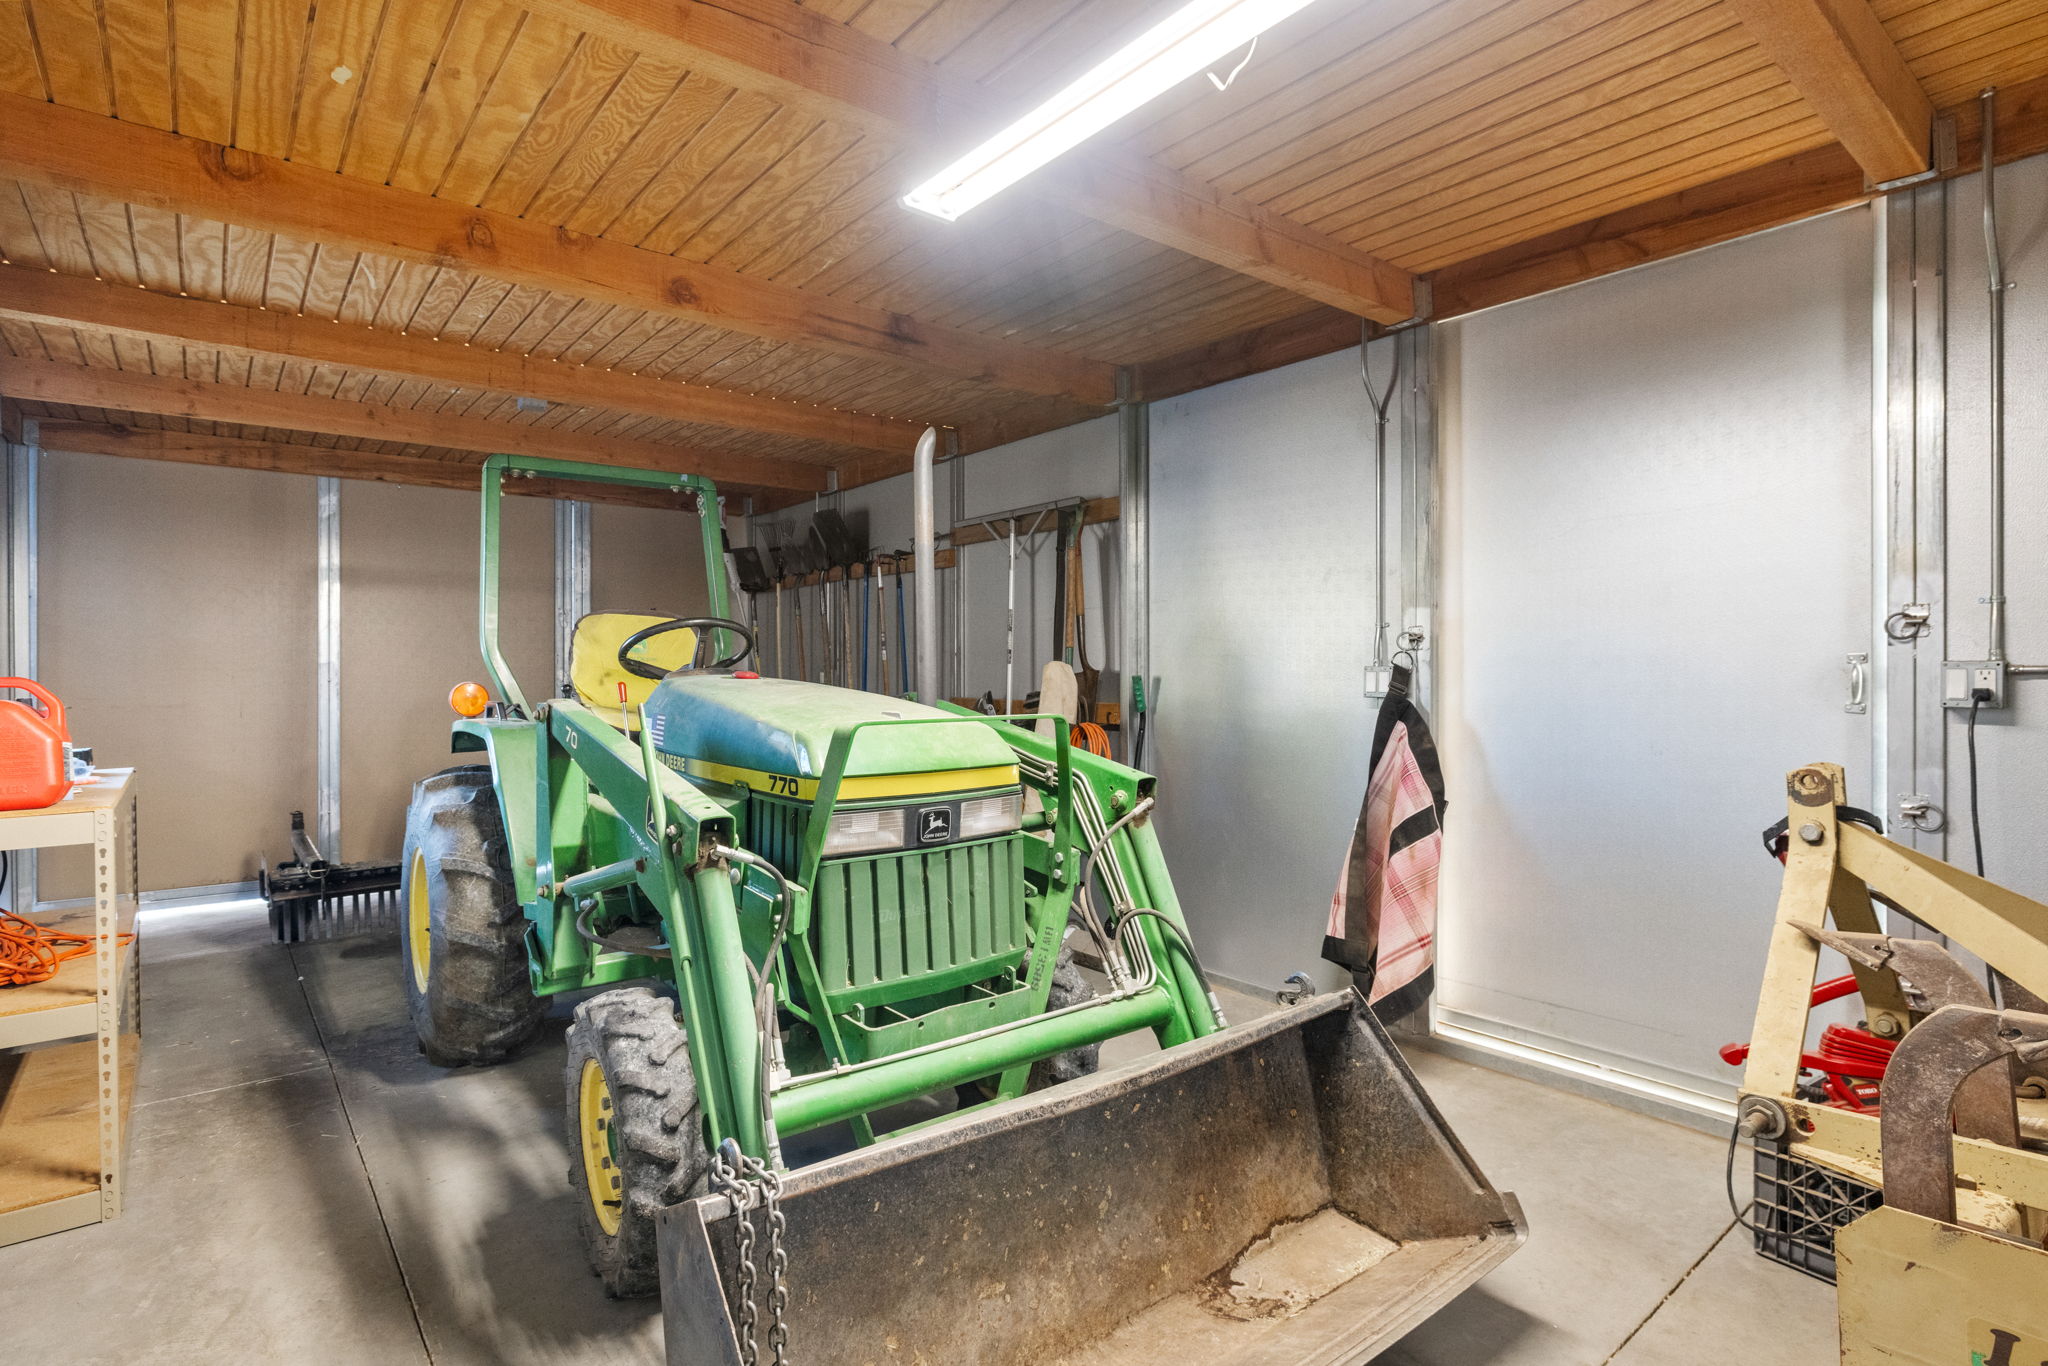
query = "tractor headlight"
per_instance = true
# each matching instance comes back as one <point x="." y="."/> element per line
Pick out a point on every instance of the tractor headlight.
<point x="991" y="815"/>
<point x="864" y="832"/>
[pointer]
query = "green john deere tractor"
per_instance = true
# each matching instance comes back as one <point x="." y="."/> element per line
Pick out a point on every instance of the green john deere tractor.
<point x="846" y="925"/>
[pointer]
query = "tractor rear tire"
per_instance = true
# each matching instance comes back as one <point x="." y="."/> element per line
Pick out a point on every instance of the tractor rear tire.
<point x="462" y="942"/>
<point x="635" y="1131"/>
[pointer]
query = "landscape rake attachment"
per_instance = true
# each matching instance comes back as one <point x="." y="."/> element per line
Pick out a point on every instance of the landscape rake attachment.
<point x="310" y="898"/>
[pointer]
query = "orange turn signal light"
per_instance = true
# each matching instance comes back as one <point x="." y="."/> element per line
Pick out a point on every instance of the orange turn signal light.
<point x="468" y="699"/>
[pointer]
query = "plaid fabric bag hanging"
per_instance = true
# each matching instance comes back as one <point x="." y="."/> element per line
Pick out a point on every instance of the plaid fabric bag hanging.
<point x="1383" y="917"/>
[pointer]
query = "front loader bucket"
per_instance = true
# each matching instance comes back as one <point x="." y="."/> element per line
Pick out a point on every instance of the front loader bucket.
<point x="1281" y="1193"/>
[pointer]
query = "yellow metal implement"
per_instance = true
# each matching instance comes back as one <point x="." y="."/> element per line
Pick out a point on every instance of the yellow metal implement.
<point x="1951" y="1270"/>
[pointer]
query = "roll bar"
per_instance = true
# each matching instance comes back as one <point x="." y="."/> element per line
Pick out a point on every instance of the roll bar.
<point x="498" y="468"/>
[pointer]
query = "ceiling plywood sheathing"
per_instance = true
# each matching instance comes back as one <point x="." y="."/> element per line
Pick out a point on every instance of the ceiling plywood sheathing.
<point x="678" y="223"/>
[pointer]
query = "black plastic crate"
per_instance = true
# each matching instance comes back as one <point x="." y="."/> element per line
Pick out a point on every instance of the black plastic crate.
<point x="1799" y="1208"/>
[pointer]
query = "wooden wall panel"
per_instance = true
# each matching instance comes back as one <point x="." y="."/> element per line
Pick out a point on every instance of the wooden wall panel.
<point x="176" y="618"/>
<point x="642" y="560"/>
<point x="408" y="635"/>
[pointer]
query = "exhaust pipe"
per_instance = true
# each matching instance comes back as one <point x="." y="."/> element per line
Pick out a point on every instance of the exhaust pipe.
<point x="925" y="561"/>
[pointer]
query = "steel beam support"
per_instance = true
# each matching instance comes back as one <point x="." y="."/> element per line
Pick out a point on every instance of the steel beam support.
<point x="327" y="677"/>
<point x="24" y="462"/>
<point x="572" y="580"/>
<point x="1913" y="343"/>
<point x="21" y="554"/>
<point x="1134" y="513"/>
<point x="1422" y="508"/>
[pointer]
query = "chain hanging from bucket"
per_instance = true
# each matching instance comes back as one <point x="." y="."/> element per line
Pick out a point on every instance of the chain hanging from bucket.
<point x="750" y="1184"/>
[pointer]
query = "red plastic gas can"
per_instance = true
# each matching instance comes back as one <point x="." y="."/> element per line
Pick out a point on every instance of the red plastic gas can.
<point x="32" y="742"/>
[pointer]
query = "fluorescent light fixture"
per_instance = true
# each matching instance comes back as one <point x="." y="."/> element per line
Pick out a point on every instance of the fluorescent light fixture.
<point x="1193" y="38"/>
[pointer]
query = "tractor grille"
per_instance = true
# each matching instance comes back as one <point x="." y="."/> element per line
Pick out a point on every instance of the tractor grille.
<point x="896" y="926"/>
<point x="775" y="830"/>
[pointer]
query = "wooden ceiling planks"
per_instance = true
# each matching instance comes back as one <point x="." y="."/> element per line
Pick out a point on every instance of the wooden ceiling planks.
<point x="1601" y="67"/>
<point x="135" y="351"/>
<point x="1529" y="58"/>
<point x="378" y="409"/>
<point x="1491" y="151"/>
<point x="40" y="143"/>
<point x="447" y="147"/>
<point x="1433" y="133"/>
<point x="842" y="74"/>
<point x="463" y="315"/>
<point x="1958" y="58"/>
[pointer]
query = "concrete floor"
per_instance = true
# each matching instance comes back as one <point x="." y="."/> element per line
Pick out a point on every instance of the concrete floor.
<point x="305" y="1188"/>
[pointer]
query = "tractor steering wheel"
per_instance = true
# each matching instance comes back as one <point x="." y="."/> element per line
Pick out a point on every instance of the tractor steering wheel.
<point x="642" y="669"/>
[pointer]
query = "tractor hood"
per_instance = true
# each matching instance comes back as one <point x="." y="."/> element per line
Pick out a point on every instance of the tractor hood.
<point x="716" y="722"/>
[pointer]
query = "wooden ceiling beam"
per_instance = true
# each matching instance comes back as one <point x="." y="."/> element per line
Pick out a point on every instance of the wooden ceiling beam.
<point x="93" y="155"/>
<point x="1767" y="196"/>
<point x="73" y="301"/>
<point x="48" y="381"/>
<point x="1844" y="65"/>
<point x="284" y="457"/>
<point x="1302" y="337"/>
<point x="802" y="58"/>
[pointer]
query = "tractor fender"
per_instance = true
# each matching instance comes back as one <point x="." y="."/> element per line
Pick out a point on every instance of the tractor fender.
<point x="513" y="748"/>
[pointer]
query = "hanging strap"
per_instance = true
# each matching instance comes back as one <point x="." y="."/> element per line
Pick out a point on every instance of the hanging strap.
<point x="1778" y="835"/>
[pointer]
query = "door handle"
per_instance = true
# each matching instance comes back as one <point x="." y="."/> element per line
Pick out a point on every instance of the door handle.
<point x="1859" y="685"/>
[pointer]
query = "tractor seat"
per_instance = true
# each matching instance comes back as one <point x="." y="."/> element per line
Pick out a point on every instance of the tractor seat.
<point x="594" y="672"/>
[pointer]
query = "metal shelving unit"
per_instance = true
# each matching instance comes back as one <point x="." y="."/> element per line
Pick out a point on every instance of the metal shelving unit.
<point x="68" y="1046"/>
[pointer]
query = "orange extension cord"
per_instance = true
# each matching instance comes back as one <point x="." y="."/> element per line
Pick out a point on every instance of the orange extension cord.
<point x="31" y="953"/>
<point x="1090" y="737"/>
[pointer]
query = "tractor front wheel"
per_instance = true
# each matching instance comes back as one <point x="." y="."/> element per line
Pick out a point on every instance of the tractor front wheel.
<point x="463" y="944"/>
<point x="1069" y="988"/>
<point x="635" y="1132"/>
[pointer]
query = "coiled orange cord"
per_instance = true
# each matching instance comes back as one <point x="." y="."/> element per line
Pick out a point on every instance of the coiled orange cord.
<point x="1090" y="737"/>
<point x="31" y="953"/>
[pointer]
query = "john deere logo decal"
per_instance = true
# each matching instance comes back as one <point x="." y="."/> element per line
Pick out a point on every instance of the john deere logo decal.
<point x="1991" y="1345"/>
<point x="935" y="825"/>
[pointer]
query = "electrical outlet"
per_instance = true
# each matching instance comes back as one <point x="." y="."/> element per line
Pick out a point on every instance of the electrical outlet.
<point x="1962" y="677"/>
